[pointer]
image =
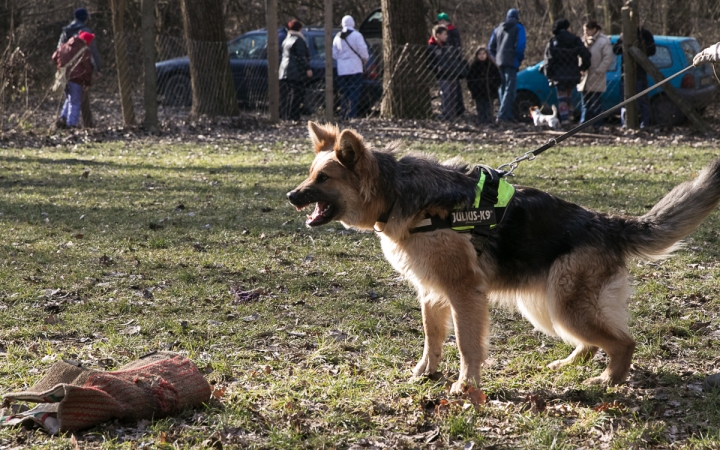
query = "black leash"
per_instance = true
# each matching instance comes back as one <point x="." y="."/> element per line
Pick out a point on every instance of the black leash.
<point x="529" y="156"/>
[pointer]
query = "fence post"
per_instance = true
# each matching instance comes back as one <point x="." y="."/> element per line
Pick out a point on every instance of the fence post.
<point x="629" y="30"/>
<point x="670" y="91"/>
<point x="148" y="33"/>
<point x="329" y="100"/>
<point x="273" y="54"/>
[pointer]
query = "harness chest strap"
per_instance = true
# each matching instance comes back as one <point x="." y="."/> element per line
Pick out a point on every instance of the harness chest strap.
<point x="492" y="195"/>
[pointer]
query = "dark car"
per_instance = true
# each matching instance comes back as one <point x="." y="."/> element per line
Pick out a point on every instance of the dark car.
<point x="673" y="54"/>
<point x="248" y="63"/>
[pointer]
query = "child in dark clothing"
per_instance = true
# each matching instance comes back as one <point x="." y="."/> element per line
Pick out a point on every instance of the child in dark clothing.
<point x="483" y="80"/>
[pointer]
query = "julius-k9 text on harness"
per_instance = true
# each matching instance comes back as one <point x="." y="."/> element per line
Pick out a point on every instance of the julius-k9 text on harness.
<point x="492" y="195"/>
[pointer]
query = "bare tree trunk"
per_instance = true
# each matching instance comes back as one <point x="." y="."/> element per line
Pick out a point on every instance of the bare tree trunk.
<point x="629" y="27"/>
<point x="556" y="10"/>
<point x="121" y="60"/>
<point x="590" y="13"/>
<point x="406" y="82"/>
<point x="676" y="17"/>
<point x="613" y="18"/>
<point x="148" y="33"/>
<point x="213" y="90"/>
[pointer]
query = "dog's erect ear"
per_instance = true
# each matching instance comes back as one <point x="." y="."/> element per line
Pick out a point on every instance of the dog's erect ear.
<point x="349" y="149"/>
<point x="323" y="137"/>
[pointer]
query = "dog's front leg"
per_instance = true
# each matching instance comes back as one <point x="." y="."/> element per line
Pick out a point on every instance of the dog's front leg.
<point x="471" y="317"/>
<point x="436" y="316"/>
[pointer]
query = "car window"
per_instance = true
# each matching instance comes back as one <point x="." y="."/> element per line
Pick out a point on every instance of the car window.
<point x="690" y="48"/>
<point x="319" y="43"/>
<point x="662" y="57"/>
<point x="249" y="47"/>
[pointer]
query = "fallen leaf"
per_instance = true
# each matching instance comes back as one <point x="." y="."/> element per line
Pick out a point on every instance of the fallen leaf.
<point x="74" y="442"/>
<point x="85" y="174"/>
<point x="130" y="331"/>
<point x="476" y="396"/>
<point x="105" y="260"/>
<point x="219" y="392"/>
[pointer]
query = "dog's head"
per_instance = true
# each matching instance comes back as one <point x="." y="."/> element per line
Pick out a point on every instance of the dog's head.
<point x="534" y="110"/>
<point x="341" y="182"/>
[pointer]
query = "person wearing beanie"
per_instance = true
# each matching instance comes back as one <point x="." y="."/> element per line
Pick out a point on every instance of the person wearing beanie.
<point x="294" y="71"/>
<point x="79" y="23"/>
<point x="566" y="57"/>
<point x="74" y="63"/>
<point x="351" y="53"/>
<point x="507" y="47"/>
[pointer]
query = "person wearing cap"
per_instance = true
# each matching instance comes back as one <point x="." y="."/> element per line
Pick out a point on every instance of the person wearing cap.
<point x="453" y="39"/>
<point x="507" y="46"/>
<point x="75" y="60"/>
<point x="79" y="23"/>
<point x="294" y="71"/>
<point x="351" y="53"/>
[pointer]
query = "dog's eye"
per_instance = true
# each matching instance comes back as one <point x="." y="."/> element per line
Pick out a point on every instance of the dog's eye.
<point x="322" y="177"/>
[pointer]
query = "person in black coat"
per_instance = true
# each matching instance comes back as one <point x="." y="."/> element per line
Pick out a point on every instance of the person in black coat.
<point x="646" y="43"/>
<point x="483" y="80"/>
<point x="294" y="72"/>
<point x="565" y="58"/>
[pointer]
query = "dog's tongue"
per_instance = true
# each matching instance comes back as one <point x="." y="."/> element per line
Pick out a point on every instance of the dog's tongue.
<point x="318" y="213"/>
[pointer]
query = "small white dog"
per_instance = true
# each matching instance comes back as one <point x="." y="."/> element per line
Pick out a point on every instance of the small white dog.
<point x="540" y="119"/>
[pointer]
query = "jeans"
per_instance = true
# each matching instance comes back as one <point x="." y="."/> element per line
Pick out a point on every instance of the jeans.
<point x="350" y="88"/>
<point x="565" y="104"/>
<point x="452" y="101"/>
<point x="508" y="76"/>
<point x="292" y="94"/>
<point x="71" y="107"/>
<point x="643" y="103"/>
<point x="591" y="107"/>
<point x="484" y="108"/>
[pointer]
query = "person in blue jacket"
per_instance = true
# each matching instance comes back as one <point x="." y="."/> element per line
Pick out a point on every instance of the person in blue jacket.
<point x="507" y="46"/>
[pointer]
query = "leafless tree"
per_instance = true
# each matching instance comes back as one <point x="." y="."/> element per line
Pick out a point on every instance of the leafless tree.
<point x="121" y="61"/>
<point x="212" y="83"/>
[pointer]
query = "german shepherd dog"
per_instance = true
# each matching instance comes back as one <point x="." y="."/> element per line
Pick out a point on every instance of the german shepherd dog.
<point x="561" y="265"/>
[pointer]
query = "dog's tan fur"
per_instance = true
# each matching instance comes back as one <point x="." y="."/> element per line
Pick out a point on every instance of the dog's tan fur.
<point x="582" y="298"/>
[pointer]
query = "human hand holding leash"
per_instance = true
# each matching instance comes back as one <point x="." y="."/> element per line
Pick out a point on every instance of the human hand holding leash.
<point x="710" y="54"/>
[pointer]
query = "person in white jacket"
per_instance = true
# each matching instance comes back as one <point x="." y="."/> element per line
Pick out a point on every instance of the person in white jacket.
<point x="593" y="82"/>
<point x="351" y="53"/>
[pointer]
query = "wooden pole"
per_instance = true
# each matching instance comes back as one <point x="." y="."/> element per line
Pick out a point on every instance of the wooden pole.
<point x="670" y="91"/>
<point x="329" y="98"/>
<point x="148" y="34"/>
<point x="273" y="54"/>
<point x="630" y="27"/>
<point x="121" y="60"/>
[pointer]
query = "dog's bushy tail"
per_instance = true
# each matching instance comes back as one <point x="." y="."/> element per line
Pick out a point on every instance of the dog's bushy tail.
<point x="656" y="234"/>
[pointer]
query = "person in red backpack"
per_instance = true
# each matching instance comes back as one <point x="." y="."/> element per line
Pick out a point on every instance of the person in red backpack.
<point x="75" y="60"/>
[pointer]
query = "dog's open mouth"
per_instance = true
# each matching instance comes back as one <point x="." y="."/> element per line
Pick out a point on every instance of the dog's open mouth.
<point x="321" y="215"/>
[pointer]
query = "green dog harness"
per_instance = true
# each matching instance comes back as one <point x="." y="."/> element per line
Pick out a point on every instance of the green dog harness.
<point x="492" y="195"/>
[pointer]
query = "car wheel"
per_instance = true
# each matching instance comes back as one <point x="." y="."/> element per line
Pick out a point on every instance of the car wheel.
<point x="524" y="100"/>
<point x="664" y="112"/>
<point x="178" y="91"/>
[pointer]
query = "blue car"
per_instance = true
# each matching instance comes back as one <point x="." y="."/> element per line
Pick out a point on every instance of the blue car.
<point x="673" y="54"/>
<point x="249" y="66"/>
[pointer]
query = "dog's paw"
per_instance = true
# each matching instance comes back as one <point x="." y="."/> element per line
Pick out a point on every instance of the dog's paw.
<point x="457" y="388"/>
<point x="597" y="381"/>
<point x="424" y="369"/>
<point x="555" y="365"/>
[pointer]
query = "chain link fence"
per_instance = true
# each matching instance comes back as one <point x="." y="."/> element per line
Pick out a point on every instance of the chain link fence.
<point x="424" y="83"/>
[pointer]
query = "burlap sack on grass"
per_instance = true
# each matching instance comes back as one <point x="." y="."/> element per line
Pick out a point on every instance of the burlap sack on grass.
<point x="73" y="398"/>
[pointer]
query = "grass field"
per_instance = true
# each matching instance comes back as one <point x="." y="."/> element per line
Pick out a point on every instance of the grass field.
<point x="108" y="251"/>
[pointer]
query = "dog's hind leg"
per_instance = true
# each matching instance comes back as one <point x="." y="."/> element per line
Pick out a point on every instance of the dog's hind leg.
<point x="588" y="306"/>
<point x="436" y="319"/>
